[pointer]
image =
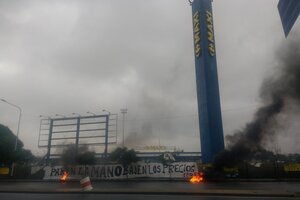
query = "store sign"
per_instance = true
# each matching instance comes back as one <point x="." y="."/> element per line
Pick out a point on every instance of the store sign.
<point x="291" y="167"/>
<point x="4" y="170"/>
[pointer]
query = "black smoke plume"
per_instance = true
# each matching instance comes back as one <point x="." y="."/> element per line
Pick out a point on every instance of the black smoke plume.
<point x="78" y="156"/>
<point x="276" y="92"/>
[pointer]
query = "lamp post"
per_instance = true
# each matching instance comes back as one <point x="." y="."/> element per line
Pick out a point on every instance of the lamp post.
<point x="18" y="129"/>
<point x="76" y="114"/>
<point x="88" y="112"/>
<point x="106" y="111"/>
<point x="59" y="115"/>
<point x="19" y="122"/>
<point x="123" y="111"/>
<point x="44" y="116"/>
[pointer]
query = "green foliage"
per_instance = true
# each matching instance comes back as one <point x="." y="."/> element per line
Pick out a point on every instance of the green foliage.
<point x="72" y="156"/>
<point x="24" y="156"/>
<point x="123" y="156"/>
<point x="7" y="148"/>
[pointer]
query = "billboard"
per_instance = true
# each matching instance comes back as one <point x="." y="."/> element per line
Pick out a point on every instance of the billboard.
<point x="289" y="11"/>
<point x="96" y="130"/>
<point x="209" y="109"/>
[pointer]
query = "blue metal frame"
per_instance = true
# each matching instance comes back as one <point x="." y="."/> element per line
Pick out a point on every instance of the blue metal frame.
<point x="106" y="136"/>
<point x="78" y="121"/>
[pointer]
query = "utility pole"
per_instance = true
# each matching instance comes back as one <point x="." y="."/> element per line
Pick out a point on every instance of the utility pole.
<point x="123" y="111"/>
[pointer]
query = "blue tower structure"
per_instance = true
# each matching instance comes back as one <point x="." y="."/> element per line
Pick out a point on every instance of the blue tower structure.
<point x="289" y="10"/>
<point x="209" y="108"/>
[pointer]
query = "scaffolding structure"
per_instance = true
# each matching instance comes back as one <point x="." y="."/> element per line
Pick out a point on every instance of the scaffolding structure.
<point x="96" y="130"/>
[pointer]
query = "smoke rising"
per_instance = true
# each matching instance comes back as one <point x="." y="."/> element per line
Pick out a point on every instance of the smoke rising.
<point x="277" y="92"/>
<point x="144" y="136"/>
<point x="72" y="156"/>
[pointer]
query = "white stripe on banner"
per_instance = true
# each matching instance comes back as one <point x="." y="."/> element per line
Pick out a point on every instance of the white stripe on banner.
<point x="137" y="170"/>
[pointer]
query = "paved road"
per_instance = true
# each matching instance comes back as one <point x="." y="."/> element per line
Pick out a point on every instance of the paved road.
<point x="282" y="189"/>
<point x="33" y="196"/>
<point x="153" y="185"/>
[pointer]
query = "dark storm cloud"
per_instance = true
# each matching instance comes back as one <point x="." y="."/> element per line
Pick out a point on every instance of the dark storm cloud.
<point x="77" y="56"/>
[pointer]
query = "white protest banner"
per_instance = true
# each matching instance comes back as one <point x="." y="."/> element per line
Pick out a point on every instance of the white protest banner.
<point x="115" y="171"/>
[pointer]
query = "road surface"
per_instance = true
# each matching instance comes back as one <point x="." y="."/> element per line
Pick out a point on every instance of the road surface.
<point x="148" y="189"/>
<point x="33" y="196"/>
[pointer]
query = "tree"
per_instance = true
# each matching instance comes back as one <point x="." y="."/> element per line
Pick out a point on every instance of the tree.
<point x="123" y="156"/>
<point x="8" y="154"/>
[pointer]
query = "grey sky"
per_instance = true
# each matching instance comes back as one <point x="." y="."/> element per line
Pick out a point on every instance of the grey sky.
<point x="78" y="56"/>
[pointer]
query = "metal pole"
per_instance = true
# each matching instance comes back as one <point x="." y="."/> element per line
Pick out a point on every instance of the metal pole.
<point x="116" y="128"/>
<point x="123" y="111"/>
<point x="18" y="129"/>
<point x="41" y="120"/>
<point x="123" y="127"/>
<point x="106" y="137"/>
<point x="19" y="121"/>
<point x="16" y="143"/>
<point x="106" y="133"/>
<point x="49" y="142"/>
<point x="77" y="135"/>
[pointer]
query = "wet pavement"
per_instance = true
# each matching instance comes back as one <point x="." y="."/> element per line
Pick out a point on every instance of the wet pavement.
<point x="33" y="196"/>
<point x="266" y="189"/>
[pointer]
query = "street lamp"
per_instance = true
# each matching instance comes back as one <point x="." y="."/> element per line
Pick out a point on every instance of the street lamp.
<point x="76" y="114"/>
<point x="18" y="129"/>
<point x="106" y="111"/>
<point x="59" y="115"/>
<point x="20" y="114"/>
<point x="123" y="111"/>
<point x="88" y="112"/>
<point x="44" y="116"/>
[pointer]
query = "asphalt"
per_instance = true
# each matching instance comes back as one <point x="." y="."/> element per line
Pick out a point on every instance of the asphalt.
<point x="95" y="196"/>
<point x="210" y="192"/>
<point x="255" y="189"/>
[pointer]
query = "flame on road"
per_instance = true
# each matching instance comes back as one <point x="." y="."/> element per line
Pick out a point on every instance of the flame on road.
<point x="63" y="178"/>
<point x="197" y="178"/>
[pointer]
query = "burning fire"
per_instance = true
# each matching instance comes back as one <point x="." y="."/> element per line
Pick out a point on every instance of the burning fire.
<point x="197" y="178"/>
<point x="63" y="178"/>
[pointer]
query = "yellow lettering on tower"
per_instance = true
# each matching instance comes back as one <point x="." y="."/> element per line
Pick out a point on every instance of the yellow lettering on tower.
<point x="196" y="24"/>
<point x="210" y="33"/>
